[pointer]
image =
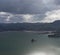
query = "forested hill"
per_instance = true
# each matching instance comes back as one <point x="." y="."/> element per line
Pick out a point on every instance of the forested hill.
<point x="30" y="26"/>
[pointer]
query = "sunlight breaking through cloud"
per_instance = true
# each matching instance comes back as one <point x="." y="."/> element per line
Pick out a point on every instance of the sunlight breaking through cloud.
<point x="48" y="17"/>
<point x="51" y="16"/>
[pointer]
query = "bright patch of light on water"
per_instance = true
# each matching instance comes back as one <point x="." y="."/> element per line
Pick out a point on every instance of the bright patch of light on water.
<point x="47" y="50"/>
<point x="37" y="53"/>
<point x="41" y="53"/>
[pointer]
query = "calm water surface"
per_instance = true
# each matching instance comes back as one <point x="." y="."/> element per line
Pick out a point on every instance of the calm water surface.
<point x="19" y="43"/>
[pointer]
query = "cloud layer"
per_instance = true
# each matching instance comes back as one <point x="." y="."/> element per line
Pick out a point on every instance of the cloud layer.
<point x="28" y="6"/>
<point x="51" y="16"/>
<point x="6" y="17"/>
<point x="31" y="11"/>
<point x="47" y="17"/>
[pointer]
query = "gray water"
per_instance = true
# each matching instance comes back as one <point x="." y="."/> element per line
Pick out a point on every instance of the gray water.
<point x="19" y="43"/>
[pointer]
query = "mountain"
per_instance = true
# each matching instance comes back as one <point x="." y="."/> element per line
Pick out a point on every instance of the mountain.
<point x="30" y="26"/>
<point x="56" y="24"/>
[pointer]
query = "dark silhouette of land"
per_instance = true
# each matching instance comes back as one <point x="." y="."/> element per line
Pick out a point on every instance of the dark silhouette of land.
<point x="30" y="26"/>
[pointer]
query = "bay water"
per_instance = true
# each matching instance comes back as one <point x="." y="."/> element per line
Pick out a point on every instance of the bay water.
<point x="19" y="43"/>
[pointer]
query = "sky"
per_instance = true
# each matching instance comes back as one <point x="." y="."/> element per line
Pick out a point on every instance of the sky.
<point x="31" y="11"/>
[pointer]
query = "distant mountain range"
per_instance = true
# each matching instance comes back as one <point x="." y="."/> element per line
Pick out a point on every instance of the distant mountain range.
<point x="30" y="26"/>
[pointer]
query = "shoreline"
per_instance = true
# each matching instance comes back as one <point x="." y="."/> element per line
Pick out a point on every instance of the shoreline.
<point x="39" y="32"/>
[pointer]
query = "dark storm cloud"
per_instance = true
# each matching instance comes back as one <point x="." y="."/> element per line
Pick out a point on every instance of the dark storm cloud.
<point x="35" y="9"/>
<point x="22" y="6"/>
<point x="57" y="2"/>
<point x="28" y="6"/>
<point x="8" y="5"/>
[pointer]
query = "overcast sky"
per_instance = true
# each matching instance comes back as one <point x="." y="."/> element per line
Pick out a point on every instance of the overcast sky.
<point x="29" y="10"/>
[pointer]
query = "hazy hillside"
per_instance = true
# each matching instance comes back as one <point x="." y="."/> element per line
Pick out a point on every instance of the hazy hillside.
<point x="30" y="26"/>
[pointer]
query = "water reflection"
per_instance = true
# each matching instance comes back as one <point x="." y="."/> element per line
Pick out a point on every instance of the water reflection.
<point x="41" y="53"/>
<point x="37" y="53"/>
<point x="48" y="50"/>
<point x="19" y="43"/>
<point x="43" y="46"/>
